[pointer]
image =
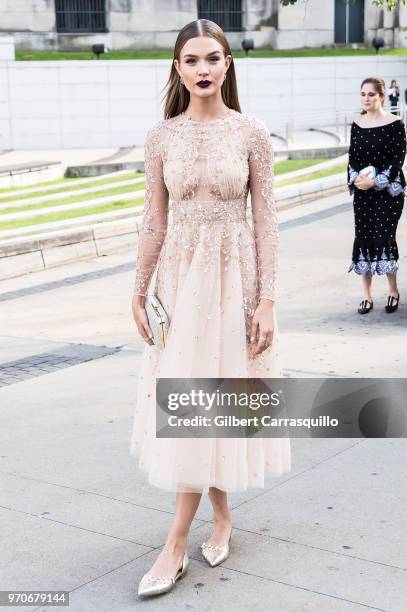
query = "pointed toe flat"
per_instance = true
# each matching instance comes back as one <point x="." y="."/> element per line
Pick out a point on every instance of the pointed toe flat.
<point x="154" y="585"/>
<point x="215" y="555"/>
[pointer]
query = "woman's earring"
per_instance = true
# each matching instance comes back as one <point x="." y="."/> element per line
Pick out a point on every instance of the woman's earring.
<point x="224" y="78"/>
<point x="181" y="80"/>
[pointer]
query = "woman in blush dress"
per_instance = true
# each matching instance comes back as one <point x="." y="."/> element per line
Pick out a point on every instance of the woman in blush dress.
<point x="215" y="279"/>
<point x="376" y="180"/>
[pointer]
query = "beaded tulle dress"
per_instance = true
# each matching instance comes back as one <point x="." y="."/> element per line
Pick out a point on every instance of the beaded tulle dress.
<point x="212" y="267"/>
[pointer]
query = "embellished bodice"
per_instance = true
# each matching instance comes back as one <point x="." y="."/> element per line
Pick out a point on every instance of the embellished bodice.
<point x="205" y="160"/>
<point x="203" y="172"/>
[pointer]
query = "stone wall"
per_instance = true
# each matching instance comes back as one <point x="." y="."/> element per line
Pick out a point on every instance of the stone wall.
<point x="141" y="24"/>
<point x="113" y="103"/>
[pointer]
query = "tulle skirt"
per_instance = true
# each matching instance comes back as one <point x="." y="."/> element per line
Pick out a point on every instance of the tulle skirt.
<point x="207" y="282"/>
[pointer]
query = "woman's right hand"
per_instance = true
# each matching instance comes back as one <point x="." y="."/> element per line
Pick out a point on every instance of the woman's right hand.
<point x="140" y="317"/>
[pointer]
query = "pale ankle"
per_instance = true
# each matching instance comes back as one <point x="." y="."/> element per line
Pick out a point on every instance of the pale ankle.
<point x="222" y="520"/>
<point x="176" y="545"/>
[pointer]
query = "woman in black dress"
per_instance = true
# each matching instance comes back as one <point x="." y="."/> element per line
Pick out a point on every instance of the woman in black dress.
<point x="376" y="180"/>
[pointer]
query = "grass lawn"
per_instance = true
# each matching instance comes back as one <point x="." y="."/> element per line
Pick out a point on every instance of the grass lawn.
<point x="314" y="175"/>
<point x="70" y="214"/>
<point x="281" y="168"/>
<point x="69" y="199"/>
<point x="68" y="183"/>
<point x="168" y="54"/>
<point x="73" y="199"/>
<point x="290" y="165"/>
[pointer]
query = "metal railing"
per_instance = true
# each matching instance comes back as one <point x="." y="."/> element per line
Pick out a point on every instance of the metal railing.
<point x="80" y="15"/>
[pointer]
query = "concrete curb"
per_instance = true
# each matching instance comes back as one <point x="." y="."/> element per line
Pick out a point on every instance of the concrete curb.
<point x="18" y="175"/>
<point x="57" y="248"/>
<point x="327" y="152"/>
<point x="103" y="168"/>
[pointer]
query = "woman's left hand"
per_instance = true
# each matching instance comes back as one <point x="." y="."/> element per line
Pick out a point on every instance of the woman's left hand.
<point x="363" y="182"/>
<point x="262" y="327"/>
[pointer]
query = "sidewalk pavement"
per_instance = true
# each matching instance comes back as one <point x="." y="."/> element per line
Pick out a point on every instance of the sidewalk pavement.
<point x="77" y="513"/>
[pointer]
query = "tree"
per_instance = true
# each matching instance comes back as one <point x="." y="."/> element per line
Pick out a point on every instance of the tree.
<point x="389" y="4"/>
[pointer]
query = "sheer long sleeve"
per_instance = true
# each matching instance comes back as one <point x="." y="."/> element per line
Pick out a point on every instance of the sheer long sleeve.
<point x="155" y="218"/>
<point x="391" y="177"/>
<point x="265" y="224"/>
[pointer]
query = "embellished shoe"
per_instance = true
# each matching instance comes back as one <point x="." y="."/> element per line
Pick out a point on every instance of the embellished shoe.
<point x="215" y="555"/>
<point x="364" y="308"/>
<point x="390" y="306"/>
<point x="151" y="585"/>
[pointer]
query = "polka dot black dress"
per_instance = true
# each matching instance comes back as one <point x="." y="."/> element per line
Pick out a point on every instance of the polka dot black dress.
<point x="377" y="210"/>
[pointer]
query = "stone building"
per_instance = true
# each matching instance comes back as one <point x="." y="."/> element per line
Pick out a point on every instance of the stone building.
<point x="146" y="24"/>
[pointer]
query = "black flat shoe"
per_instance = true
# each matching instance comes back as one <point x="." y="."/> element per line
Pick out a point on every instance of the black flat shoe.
<point x="364" y="308"/>
<point x="392" y="303"/>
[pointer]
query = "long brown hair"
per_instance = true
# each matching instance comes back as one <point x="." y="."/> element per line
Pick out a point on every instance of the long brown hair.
<point x="379" y="87"/>
<point x="177" y="96"/>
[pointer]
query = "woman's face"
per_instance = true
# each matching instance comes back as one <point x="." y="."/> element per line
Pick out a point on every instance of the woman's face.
<point x="202" y="66"/>
<point x="370" y="99"/>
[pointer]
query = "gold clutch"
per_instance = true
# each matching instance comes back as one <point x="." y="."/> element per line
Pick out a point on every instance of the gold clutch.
<point x="157" y="320"/>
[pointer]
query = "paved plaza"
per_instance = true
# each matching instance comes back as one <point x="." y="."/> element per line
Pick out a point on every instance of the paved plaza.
<point x="78" y="515"/>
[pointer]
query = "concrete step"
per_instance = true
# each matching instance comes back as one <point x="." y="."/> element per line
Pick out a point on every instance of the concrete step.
<point x="104" y="168"/>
